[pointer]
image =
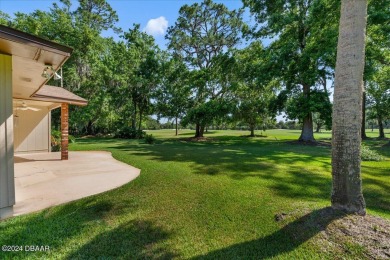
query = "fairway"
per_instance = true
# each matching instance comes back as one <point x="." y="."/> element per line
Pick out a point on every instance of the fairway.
<point x="211" y="199"/>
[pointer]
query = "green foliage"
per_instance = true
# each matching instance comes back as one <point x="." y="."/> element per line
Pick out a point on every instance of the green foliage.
<point x="150" y="139"/>
<point x="298" y="104"/>
<point x="369" y="155"/>
<point x="56" y="140"/>
<point x="254" y="90"/>
<point x="303" y="50"/>
<point x="209" y="200"/>
<point x="127" y="132"/>
<point x="203" y="37"/>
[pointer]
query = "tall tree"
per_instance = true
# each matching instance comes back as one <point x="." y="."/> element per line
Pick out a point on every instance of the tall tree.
<point x="377" y="61"/>
<point x="304" y="42"/>
<point x="378" y="90"/>
<point x="143" y="65"/>
<point x="173" y="94"/>
<point x="201" y="35"/>
<point x="255" y="89"/>
<point x="347" y="186"/>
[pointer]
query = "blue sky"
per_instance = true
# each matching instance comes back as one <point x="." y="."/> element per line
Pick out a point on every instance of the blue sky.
<point x="129" y="12"/>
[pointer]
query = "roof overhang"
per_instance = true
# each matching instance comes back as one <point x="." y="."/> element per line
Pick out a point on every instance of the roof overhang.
<point x="58" y="95"/>
<point x="30" y="55"/>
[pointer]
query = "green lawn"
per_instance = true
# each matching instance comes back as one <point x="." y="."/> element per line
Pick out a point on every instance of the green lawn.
<point x="203" y="200"/>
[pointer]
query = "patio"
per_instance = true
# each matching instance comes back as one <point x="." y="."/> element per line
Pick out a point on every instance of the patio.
<point x="43" y="180"/>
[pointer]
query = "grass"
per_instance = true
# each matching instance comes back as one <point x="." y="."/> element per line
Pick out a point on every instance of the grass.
<point x="203" y="200"/>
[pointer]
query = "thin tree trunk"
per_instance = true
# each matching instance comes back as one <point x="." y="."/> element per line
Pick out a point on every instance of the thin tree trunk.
<point x="307" y="134"/>
<point x="140" y="120"/>
<point x="197" y="131"/>
<point x="347" y="108"/>
<point x="381" y="128"/>
<point x="176" y="127"/>
<point x="133" y="120"/>
<point x="252" y="128"/>
<point x="201" y="131"/>
<point x="318" y="128"/>
<point x="364" y="136"/>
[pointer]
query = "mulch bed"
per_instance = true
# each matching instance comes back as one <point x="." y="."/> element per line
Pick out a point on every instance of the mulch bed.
<point x="335" y="231"/>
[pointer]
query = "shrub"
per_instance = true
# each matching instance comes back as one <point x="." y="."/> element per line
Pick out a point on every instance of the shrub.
<point x="369" y="155"/>
<point x="127" y="132"/>
<point x="56" y="140"/>
<point x="150" y="139"/>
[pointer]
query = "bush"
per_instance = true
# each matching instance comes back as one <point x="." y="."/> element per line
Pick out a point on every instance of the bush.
<point x="369" y="155"/>
<point x="56" y="140"/>
<point x="127" y="132"/>
<point x="150" y="139"/>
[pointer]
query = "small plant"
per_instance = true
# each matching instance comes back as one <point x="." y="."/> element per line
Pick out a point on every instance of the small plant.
<point x="150" y="139"/>
<point x="56" y="140"/>
<point x="369" y="155"/>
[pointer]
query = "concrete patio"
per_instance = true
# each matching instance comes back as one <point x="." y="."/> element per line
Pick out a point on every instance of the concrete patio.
<point x="42" y="180"/>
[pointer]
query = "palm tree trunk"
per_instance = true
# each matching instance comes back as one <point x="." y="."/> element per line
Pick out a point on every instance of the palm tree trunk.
<point x="347" y="109"/>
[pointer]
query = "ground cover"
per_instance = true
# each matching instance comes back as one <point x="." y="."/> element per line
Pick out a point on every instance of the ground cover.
<point x="229" y="197"/>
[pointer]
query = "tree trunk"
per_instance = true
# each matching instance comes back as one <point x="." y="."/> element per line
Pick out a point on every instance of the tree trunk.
<point x="176" y="127"/>
<point x="347" y="108"/>
<point x="380" y="125"/>
<point x="318" y="128"/>
<point x="307" y="134"/>
<point x="201" y="131"/>
<point x="364" y="136"/>
<point x="133" y="120"/>
<point x="197" y="130"/>
<point x="89" y="128"/>
<point x="140" y="120"/>
<point x="252" y="128"/>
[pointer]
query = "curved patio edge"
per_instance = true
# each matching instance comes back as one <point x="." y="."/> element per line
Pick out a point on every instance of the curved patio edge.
<point x="42" y="180"/>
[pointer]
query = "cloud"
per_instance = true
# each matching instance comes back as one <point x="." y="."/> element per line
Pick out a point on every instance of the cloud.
<point x="157" y="26"/>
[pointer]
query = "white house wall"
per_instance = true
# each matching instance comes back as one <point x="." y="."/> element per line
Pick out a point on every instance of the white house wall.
<point x="32" y="130"/>
<point x="7" y="187"/>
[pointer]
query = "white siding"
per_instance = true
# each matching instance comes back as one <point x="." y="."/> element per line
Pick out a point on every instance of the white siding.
<point x="7" y="188"/>
<point x="32" y="130"/>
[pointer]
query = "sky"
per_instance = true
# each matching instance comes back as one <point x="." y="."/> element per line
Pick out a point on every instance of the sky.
<point x="154" y="16"/>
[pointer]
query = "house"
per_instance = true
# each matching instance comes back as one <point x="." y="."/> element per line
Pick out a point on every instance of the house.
<point x="27" y="63"/>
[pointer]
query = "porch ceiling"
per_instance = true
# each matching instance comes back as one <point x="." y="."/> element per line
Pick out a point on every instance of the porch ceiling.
<point x="29" y="56"/>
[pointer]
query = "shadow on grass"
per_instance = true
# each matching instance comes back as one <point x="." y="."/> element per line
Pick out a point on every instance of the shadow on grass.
<point x="282" y="241"/>
<point x="133" y="240"/>
<point x="77" y="221"/>
<point x="292" y="171"/>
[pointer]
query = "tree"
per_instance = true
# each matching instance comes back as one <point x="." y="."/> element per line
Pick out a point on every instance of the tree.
<point x="377" y="62"/>
<point x="378" y="90"/>
<point x="255" y="89"/>
<point x="304" y="41"/>
<point x="173" y="94"/>
<point x="347" y="189"/>
<point x="203" y="37"/>
<point x="84" y="72"/>
<point x="143" y="68"/>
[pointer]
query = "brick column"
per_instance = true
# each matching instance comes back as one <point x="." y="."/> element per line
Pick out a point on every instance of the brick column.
<point x="64" y="131"/>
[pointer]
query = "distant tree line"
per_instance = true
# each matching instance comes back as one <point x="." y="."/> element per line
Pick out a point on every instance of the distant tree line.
<point x="215" y="72"/>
